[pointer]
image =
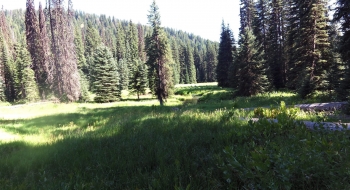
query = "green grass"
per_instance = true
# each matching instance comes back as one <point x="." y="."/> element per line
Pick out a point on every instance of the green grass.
<point x="183" y="145"/>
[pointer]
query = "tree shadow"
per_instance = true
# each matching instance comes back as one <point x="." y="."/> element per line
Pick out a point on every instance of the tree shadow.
<point x="135" y="147"/>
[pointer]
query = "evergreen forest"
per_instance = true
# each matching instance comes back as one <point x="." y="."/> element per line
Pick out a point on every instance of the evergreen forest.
<point x="54" y="52"/>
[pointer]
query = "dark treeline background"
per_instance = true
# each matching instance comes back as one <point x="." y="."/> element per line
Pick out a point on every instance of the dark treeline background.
<point x="287" y="45"/>
<point x="54" y="51"/>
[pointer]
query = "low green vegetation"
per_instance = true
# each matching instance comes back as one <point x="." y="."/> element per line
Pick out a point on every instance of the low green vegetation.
<point x="198" y="140"/>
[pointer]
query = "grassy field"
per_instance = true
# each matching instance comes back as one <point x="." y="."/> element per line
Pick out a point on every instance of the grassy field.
<point x="196" y="141"/>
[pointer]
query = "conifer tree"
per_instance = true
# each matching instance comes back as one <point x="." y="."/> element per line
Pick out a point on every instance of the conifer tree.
<point x="225" y="56"/>
<point x="251" y="74"/>
<point x="190" y="65"/>
<point x="252" y="78"/>
<point x="2" y="90"/>
<point x="210" y="62"/>
<point x="33" y="42"/>
<point x="313" y="46"/>
<point x="141" y="41"/>
<point x="292" y="36"/>
<point x="184" y="78"/>
<point x="82" y="64"/>
<point x="106" y="79"/>
<point x="8" y="71"/>
<point x="64" y="75"/>
<point x="133" y="47"/>
<point x="275" y="46"/>
<point x="159" y="57"/>
<point x="92" y="41"/>
<point x="139" y="79"/>
<point x="43" y="56"/>
<point x="121" y="46"/>
<point x="176" y="68"/>
<point x="26" y="87"/>
<point x="342" y="15"/>
<point x="123" y="74"/>
<point x="335" y="73"/>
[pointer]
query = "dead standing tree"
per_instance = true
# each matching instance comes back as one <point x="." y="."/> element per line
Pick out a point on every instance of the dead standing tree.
<point x="63" y="71"/>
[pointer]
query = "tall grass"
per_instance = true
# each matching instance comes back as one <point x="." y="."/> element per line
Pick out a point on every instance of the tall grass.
<point x="139" y="145"/>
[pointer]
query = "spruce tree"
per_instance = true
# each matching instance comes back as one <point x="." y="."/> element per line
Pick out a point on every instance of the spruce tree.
<point x="292" y="36"/>
<point x="9" y="72"/>
<point x="342" y="15"/>
<point x="210" y="62"/>
<point x="123" y="74"/>
<point x="225" y="56"/>
<point x="313" y="46"/>
<point x="133" y="48"/>
<point x="139" y="79"/>
<point x="120" y="42"/>
<point x="26" y="87"/>
<point x="190" y="65"/>
<point x="2" y="90"/>
<point x="159" y="57"/>
<point x="106" y="78"/>
<point x="82" y="64"/>
<point x="141" y="43"/>
<point x="92" y="41"/>
<point x="251" y="71"/>
<point x="251" y="74"/>
<point x="176" y="68"/>
<point x="275" y="46"/>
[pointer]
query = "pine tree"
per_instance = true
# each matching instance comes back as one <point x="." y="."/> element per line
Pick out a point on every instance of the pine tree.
<point x="225" y="57"/>
<point x="106" y="79"/>
<point x="159" y="57"/>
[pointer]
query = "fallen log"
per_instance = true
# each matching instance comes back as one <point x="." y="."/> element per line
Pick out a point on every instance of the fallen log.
<point x="330" y="106"/>
<point x="331" y="126"/>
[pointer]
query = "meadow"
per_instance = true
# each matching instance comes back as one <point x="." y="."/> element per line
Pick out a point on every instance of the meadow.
<point x="198" y="140"/>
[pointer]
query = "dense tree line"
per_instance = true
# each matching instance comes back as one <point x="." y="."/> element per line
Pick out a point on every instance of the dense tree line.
<point x="63" y="47"/>
<point x="287" y="45"/>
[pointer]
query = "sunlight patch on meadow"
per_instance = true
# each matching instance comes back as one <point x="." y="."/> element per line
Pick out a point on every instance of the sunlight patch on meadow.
<point x="7" y="137"/>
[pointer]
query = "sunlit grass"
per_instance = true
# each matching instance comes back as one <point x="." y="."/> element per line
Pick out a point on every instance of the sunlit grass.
<point x="139" y="145"/>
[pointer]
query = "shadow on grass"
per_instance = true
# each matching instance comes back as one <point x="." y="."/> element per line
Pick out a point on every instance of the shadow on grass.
<point x="196" y="90"/>
<point x="134" y="147"/>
